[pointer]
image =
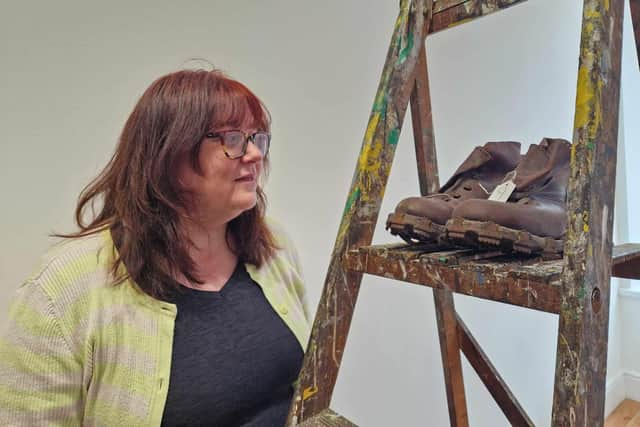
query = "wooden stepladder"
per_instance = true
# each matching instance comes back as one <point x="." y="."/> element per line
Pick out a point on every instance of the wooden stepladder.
<point x="635" y="18"/>
<point x="575" y="287"/>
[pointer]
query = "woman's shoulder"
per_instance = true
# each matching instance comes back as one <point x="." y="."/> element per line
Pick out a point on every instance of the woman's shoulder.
<point x="283" y="240"/>
<point x="281" y="235"/>
<point x="73" y="263"/>
<point x="286" y="270"/>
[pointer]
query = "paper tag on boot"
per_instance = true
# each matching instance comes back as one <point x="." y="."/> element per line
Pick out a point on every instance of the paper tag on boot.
<point x="503" y="191"/>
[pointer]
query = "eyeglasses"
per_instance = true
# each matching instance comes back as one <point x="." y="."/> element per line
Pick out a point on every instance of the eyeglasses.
<point x="235" y="142"/>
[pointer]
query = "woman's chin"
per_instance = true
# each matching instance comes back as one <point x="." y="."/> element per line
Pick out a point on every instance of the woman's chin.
<point x="247" y="203"/>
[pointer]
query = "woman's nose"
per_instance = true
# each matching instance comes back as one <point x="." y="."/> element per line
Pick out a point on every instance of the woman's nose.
<point x="253" y="153"/>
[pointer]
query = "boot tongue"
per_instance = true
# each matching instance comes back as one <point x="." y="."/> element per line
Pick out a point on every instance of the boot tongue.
<point x="542" y="161"/>
<point x="534" y="166"/>
<point x="478" y="157"/>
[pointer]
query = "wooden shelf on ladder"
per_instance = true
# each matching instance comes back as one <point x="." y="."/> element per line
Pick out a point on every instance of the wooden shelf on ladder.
<point x="529" y="282"/>
<point x="576" y="287"/>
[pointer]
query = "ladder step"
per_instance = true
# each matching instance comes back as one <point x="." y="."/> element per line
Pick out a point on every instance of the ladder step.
<point x="327" y="418"/>
<point x="449" y="13"/>
<point x="625" y="261"/>
<point x="526" y="281"/>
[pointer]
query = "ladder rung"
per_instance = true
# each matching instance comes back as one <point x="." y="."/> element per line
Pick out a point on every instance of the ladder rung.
<point x="440" y="5"/>
<point x="449" y="13"/>
<point x="625" y="261"/>
<point x="327" y="418"/>
<point x="526" y="281"/>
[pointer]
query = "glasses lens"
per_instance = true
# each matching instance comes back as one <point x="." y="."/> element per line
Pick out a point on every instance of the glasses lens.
<point x="261" y="140"/>
<point x="233" y="142"/>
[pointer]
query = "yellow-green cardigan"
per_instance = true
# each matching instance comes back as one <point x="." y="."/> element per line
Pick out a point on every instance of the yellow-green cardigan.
<point x="79" y="351"/>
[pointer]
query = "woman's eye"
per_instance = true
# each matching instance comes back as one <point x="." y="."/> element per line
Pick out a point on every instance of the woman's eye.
<point x="234" y="139"/>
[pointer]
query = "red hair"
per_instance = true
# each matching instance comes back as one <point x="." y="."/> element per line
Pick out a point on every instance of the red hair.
<point x="141" y="199"/>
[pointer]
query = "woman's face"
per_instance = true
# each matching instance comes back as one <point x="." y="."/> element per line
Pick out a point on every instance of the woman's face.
<point x="226" y="187"/>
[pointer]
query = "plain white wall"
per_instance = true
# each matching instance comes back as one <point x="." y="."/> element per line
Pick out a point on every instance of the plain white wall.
<point x="621" y="344"/>
<point x="630" y="308"/>
<point x="72" y="70"/>
<point x="629" y="302"/>
<point x="631" y="105"/>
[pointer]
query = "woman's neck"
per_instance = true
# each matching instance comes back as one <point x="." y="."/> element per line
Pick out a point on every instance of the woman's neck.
<point x="213" y="258"/>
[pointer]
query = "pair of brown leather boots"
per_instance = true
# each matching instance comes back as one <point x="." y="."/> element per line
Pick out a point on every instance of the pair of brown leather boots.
<point x="498" y="199"/>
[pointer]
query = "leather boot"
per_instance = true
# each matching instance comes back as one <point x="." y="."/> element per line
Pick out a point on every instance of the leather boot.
<point x="423" y="218"/>
<point x="534" y="218"/>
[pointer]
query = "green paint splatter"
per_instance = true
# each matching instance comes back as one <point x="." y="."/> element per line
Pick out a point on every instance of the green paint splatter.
<point x="404" y="52"/>
<point x="591" y="145"/>
<point x="380" y="103"/>
<point x="582" y="292"/>
<point x="393" y="137"/>
<point x="351" y="200"/>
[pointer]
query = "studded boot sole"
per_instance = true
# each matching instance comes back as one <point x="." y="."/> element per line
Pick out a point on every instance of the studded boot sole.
<point x="487" y="234"/>
<point x="414" y="229"/>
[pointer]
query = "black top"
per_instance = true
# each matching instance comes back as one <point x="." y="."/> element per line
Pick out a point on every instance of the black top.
<point x="234" y="359"/>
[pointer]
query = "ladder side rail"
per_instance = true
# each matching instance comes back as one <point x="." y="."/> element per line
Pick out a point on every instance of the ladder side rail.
<point x="333" y="318"/>
<point x="423" y="133"/>
<point x="451" y="362"/>
<point x="635" y="20"/>
<point x="581" y="357"/>
<point x="425" y="147"/>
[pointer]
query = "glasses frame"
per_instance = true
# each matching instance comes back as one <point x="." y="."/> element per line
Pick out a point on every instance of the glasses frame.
<point x="220" y="135"/>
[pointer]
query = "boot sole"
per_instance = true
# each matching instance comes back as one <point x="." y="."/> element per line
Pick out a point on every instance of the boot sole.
<point x="482" y="234"/>
<point x="414" y="229"/>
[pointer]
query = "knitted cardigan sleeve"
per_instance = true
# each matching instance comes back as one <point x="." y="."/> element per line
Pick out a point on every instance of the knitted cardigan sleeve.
<point x="300" y="288"/>
<point x="288" y="246"/>
<point x="41" y="377"/>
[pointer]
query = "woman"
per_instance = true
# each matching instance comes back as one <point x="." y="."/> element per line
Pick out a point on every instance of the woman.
<point x="176" y="303"/>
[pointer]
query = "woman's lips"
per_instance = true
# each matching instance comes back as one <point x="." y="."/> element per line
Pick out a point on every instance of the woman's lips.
<point x="246" y="178"/>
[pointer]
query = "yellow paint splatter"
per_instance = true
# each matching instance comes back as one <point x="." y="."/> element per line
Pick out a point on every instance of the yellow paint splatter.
<point x="584" y="96"/>
<point x="369" y="160"/>
<point x="371" y="128"/>
<point x="585" y="221"/>
<point x="588" y="98"/>
<point x="588" y="107"/>
<point x="592" y="12"/>
<point x="342" y="230"/>
<point x="308" y="392"/>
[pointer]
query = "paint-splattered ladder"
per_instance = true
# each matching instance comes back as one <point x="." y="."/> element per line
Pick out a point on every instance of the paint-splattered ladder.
<point x="576" y="287"/>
